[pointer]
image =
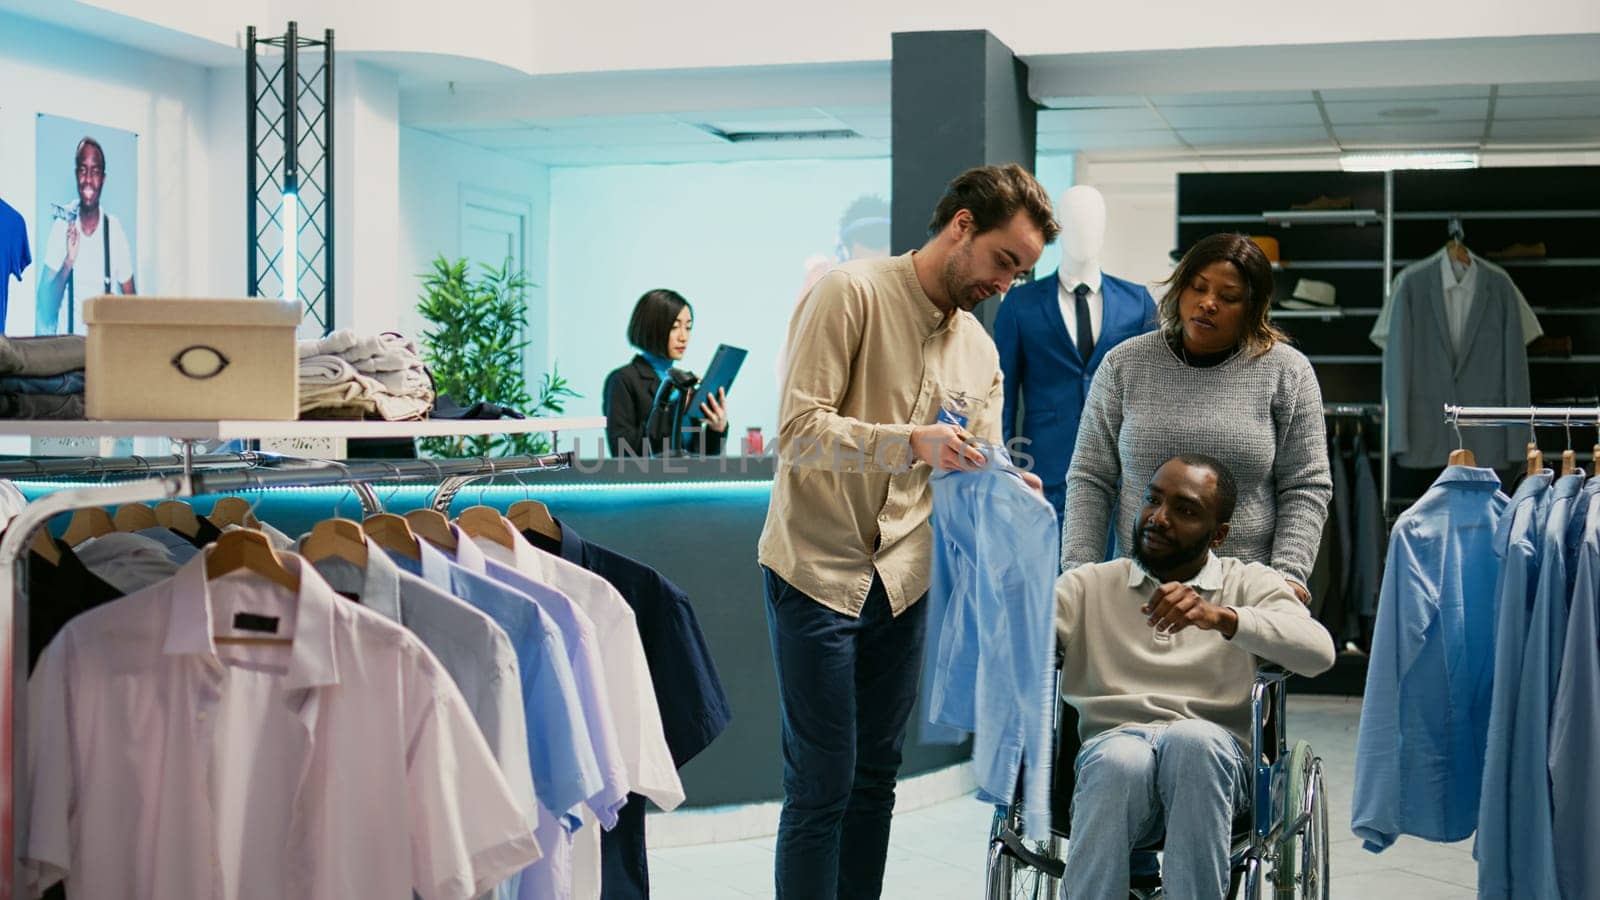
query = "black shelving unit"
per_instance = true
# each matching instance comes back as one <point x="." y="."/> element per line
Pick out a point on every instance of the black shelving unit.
<point x="1397" y="219"/>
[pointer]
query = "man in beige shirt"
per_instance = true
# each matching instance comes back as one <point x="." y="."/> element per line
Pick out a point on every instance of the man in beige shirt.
<point x="1158" y="657"/>
<point x="876" y="350"/>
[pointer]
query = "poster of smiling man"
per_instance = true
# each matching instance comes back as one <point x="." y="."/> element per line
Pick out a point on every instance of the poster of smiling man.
<point x="88" y="192"/>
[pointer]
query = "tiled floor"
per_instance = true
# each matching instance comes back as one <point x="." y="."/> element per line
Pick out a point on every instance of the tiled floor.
<point x="937" y="853"/>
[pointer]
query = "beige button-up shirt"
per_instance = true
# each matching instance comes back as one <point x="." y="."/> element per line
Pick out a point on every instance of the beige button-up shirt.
<point x="870" y="359"/>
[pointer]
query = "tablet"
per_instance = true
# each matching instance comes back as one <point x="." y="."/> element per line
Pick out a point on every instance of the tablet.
<point x="724" y="367"/>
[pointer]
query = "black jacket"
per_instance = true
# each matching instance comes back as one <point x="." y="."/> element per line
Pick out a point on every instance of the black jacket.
<point x="629" y="393"/>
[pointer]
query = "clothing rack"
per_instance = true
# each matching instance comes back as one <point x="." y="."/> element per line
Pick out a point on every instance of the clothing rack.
<point x="1566" y="416"/>
<point x="1364" y="410"/>
<point x="197" y="474"/>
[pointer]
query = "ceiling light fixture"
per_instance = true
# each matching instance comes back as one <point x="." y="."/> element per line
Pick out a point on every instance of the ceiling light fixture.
<point x="745" y="137"/>
<point x="1384" y="162"/>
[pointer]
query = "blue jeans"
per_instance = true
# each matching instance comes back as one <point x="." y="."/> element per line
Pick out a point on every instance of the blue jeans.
<point x="1184" y="778"/>
<point x="846" y="688"/>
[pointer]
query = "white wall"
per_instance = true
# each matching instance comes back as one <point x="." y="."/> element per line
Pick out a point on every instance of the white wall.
<point x="561" y="36"/>
<point x="169" y="105"/>
<point x="434" y="171"/>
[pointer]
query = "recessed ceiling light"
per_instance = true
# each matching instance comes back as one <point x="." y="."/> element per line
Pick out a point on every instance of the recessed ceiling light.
<point x="1409" y="112"/>
<point x="1383" y="162"/>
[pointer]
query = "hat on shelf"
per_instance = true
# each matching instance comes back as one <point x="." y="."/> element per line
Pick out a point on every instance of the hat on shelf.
<point x="1310" y="294"/>
<point x="1268" y="245"/>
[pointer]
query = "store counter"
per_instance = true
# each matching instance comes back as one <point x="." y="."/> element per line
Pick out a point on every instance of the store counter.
<point x="697" y="521"/>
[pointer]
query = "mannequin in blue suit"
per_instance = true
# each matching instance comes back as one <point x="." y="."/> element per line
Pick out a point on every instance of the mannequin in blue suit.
<point x="1036" y="330"/>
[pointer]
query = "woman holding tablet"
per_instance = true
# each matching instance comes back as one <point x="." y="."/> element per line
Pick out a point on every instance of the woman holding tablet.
<point x="659" y="330"/>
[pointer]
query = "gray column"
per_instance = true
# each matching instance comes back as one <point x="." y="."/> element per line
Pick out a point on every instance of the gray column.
<point x="958" y="99"/>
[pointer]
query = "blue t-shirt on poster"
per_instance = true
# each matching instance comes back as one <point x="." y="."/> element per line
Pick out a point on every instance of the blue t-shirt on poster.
<point x="14" y="256"/>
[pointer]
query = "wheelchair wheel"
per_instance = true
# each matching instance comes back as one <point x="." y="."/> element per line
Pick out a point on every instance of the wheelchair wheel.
<point x="1009" y="877"/>
<point x="1301" y="872"/>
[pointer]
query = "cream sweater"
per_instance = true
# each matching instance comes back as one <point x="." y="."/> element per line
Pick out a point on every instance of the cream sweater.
<point x="1116" y="673"/>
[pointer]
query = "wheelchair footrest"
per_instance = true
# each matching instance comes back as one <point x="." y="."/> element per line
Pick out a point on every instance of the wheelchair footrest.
<point x="1048" y="865"/>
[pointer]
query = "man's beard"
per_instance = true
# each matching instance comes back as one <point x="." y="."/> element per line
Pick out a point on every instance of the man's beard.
<point x="957" y="283"/>
<point x="1168" y="559"/>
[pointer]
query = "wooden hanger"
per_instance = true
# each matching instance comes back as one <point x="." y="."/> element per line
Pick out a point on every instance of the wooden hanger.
<point x="433" y="527"/>
<point x="336" y="538"/>
<point x="233" y="511"/>
<point x="392" y="533"/>
<point x="249" y="550"/>
<point x="1569" y="463"/>
<point x="178" y="516"/>
<point x="1535" y="459"/>
<point x="1462" y="457"/>
<point x="91" y="522"/>
<point x="1458" y="252"/>
<point x="486" y="522"/>
<point x="135" y="517"/>
<point x="531" y="515"/>
<point x="45" y="546"/>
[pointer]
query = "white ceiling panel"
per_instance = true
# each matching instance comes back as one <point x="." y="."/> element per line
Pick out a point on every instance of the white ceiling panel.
<point x="1109" y="140"/>
<point x="1545" y="129"/>
<point x="1411" y="133"/>
<point x="1550" y="89"/>
<point x="1398" y="94"/>
<point x="637" y="136"/>
<point x="1371" y="112"/>
<point x="738" y="124"/>
<point x="515" y="138"/>
<point x="1076" y="120"/>
<point x="1092" y="102"/>
<point x="1243" y="116"/>
<point x="1231" y="97"/>
<point x="1294" y="136"/>
<point x="1579" y="107"/>
<point x="633" y="121"/>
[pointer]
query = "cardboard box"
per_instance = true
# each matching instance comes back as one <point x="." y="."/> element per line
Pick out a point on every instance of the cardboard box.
<point x="184" y="358"/>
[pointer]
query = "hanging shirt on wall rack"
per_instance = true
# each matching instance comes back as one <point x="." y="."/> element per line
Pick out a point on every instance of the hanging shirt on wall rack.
<point x="353" y="739"/>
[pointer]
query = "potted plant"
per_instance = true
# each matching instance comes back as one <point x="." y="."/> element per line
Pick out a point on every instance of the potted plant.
<point x="474" y="348"/>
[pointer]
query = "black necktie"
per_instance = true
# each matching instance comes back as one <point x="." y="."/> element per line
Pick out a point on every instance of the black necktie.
<point x="1085" y="328"/>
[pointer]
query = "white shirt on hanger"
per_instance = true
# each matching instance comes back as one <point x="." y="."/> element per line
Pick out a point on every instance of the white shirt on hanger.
<point x="1069" y="306"/>
<point x="344" y="764"/>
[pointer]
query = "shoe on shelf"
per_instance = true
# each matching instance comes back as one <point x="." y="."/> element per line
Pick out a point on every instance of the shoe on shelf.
<point x="1325" y="202"/>
<point x="1519" y="251"/>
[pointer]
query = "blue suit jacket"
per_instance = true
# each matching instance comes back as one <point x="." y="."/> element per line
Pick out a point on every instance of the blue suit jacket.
<point x="1041" y="361"/>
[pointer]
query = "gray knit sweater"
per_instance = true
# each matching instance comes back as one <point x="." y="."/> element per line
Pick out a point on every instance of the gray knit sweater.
<point x="1260" y="415"/>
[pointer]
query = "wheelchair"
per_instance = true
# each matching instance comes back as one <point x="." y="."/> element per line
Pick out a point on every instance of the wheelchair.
<point x="1281" y="840"/>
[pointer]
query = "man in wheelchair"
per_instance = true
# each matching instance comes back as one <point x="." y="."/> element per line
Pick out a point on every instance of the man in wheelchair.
<point x="1159" y="654"/>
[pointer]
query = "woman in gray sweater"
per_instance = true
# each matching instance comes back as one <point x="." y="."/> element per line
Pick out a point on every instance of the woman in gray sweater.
<point x="1216" y="378"/>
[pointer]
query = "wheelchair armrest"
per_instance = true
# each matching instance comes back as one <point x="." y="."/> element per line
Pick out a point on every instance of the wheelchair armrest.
<point x="1268" y="673"/>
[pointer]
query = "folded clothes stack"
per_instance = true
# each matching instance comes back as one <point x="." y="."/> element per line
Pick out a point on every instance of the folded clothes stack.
<point x="42" y="377"/>
<point x="343" y="376"/>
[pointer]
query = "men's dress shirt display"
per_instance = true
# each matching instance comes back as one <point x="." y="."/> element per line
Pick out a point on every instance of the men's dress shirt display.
<point x="475" y="652"/>
<point x="631" y="703"/>
<point x="1425" y="713"/>
<point x="343" y="765"/>
<point x="1423" y="369"/>
<point x="989" y="631"/>
<point x="566" y="770"/>
<point x="1517" y="545"/>
<point x="595" y="689"/>
<point x="1575" y="724"/>
<point x="1517" y="542"/>
<point x="694" y="709"/>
